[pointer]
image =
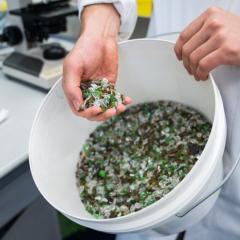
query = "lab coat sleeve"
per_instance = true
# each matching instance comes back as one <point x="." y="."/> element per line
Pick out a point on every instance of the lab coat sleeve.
<point x="127" y="10"/>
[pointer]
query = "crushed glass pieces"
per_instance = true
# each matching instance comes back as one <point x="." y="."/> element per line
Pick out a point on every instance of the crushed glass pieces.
<point x="100" y="93"/>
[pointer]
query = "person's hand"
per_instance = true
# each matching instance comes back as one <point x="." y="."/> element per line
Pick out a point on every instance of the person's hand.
<point x="211" y="40"/>
<point x="95" y="55"/>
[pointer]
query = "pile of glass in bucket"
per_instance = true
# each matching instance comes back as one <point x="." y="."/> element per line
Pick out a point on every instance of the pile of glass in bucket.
<point x="136" y="158"/>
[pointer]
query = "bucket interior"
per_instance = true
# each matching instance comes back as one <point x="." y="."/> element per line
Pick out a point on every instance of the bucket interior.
<point x="149" y="71"/>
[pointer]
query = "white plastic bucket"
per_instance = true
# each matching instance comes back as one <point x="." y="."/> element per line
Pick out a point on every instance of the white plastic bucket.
<point x="148" y="71"/>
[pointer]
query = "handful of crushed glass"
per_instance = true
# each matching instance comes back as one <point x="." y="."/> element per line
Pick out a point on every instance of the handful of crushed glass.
<point x="100" y="93"/>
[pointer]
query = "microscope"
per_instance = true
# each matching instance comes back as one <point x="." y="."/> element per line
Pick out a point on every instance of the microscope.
<point x="34" y="60"/>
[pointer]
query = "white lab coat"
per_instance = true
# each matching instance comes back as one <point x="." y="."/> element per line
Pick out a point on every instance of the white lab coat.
<point x="223" y="222"/>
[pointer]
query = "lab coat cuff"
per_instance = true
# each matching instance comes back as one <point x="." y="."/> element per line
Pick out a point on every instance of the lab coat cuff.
<point x="127" y="9"/>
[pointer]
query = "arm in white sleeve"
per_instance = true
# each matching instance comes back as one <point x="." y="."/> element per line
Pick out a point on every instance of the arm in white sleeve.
<point x="127" y="10"/>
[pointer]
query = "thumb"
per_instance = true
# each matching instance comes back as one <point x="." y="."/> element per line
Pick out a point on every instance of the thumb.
<point x="111" y="61"/>
<point x="71" y="83"/>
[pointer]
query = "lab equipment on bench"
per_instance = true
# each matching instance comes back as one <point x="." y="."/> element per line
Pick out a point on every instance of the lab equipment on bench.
<point x="35" y="61"/>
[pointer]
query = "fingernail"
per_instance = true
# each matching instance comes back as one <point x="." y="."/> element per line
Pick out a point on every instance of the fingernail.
<point x="76" y="104"/>
<point x="179" y="57"/>
<point x="196" y="78"/>
<point x="190" y="71"/>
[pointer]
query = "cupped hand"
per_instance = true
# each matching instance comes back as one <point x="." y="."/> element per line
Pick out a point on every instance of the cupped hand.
<point x="209" y="41"/>
<point x="95" y="55"/>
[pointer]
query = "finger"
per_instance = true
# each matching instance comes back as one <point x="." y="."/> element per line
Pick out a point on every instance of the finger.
<point x="201" y="52"/>
<point x="71" y="82"/>
<point x="186" y="65"/>
<point x="120" y="108"/>
<point x="187" y="34"/>
<point x="109" y="114"/>
<point x="208" y="63"/>
<point x="72" y="108"/>
<point x="198" y="39"/>
<point x="106" y="115"/>
<point x="127" y="100"/>
<point x="98" y="118"/>
<point x="90" y="112"/>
